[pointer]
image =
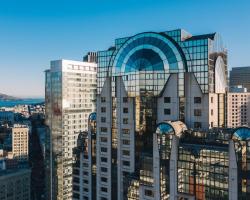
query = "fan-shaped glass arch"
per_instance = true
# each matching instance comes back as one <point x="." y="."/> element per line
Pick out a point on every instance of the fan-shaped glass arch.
<point x="242" y="133"/>
<point x="168" y="53"/>
<point x="165" y="129"/>
<point x="92" y="116"/>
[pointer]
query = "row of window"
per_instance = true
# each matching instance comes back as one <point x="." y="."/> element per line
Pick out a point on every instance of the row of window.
<point x="124" y="99"/>
<point x="196" y="100"/>
<point x="197" y="112"/>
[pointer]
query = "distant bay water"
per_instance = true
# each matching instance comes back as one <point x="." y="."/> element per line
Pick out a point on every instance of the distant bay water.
<point x="12" y="103"/>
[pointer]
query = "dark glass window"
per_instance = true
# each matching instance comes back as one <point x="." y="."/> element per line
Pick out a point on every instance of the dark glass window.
<point x="104" y="129"/>
<point x="103" y="159"/>
<point x="103" y="109"/>
<point x="125" y="120"/>
<point x="149" y="193"/>
<point x="197" y="99"/>
<point x="103" y="99"/>
<point x="125" y="99"/>
<point x="104" y="149"/>
<point x="103" y="189"/>
<point x="104" y="169"/>
<point x="103" y="119"/>
<point x="104" y="179"/>
<point x="167" y="99"/>
<point x="197" y="112"/>
<point x="126" y="152"/>
<point x="125" y="110"/>
<point x="126" y="163"/>
<point x="104" y="139"/>
<point x="167" y="111"/>
<point x="127" y="142"/>
<point x="125" y="131"/>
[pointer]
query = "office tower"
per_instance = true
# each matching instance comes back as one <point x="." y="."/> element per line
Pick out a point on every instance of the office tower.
<point x="15" y="184"/>
<point x="70" y="94"/>
<point x="240" y="76"/>
<point x="238" y="107"/>
<point x="145" y="80"/>
<point x="84" y="166"/>
<point x="20" y="142"/>
<point x="192" y="164"/>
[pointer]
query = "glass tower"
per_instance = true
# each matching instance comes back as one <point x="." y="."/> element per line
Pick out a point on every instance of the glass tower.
<point x="146" y="80"/>
<point x="70" y="93"/>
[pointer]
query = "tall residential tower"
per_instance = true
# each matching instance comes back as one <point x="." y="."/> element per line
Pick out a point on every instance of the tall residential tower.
<point x="70" y="94"/>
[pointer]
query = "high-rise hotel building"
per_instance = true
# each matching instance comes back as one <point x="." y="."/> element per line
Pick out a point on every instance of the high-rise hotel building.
<point x="70" y="96"/>
<point x="144" y="81"/>
<point x="20" y="141"/>
<point x="238" y="107"/>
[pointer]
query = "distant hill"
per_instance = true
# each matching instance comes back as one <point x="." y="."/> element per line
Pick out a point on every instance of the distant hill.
<point x="5" y="97"/>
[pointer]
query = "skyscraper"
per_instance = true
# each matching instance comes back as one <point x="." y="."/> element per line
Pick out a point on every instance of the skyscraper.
<point x="240" y="76"/>
<point x="146" y="80"/>
<point x="70" y="94"/>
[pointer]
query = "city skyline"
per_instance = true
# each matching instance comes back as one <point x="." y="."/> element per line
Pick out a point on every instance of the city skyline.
<point x="35" y="33"/>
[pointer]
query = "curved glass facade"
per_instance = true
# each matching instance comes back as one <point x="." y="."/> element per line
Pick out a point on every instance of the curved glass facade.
<point x="164" y="128"/>
<point x="170" y="55"/>
<point x="92" y="116"/>
<point x="145" y="62"/>
<point x="153" y="77"/>
<point x="242" y="133"/>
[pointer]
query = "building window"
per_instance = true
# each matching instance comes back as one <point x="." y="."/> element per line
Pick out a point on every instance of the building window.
<point x="126" y="163"/>
<point x="103" y="189"/>
<point x="104" y="179"/>
<point x="126" y="142"/>
<point x="125" y="120"/>
<point x="125" y="99"/>
<point x="104" y="129"/>
<point x="197" y="124"/>
<point x="126" y="152"/>
<point x="212" y="112"/>
<point x="212" y="99"/>
<point x="149" y="193"/>
<point x="125" y="110"/>
<point x="104" y="139"/>
<point x="197" y="99"/>
<point x="104" y="169"/>
<point x="104" y="149"/>
<point x="125" y="131"/>
<point x="103" y="119"/>
<point x="167" y="111"/>
<point x="103" y="109"/>
<point x="212" y="124"/>
<point x="103" y="99"/>
<point x="167" y="99"/>
<point x="103" y="159"/>
<point x="197" y="112"/>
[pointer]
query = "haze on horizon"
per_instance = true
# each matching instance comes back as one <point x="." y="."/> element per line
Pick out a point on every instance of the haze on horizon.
<point x="35" y="32"/>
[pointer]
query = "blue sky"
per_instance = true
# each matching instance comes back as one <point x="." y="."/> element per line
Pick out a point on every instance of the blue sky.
<point x="34" y="32"/>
